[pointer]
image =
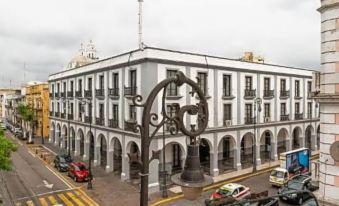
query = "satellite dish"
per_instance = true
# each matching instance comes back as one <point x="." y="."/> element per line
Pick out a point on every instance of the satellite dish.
<point x="334" y="151"/>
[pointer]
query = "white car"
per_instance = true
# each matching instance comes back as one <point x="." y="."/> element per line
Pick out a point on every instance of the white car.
<point x="235" y="190"/>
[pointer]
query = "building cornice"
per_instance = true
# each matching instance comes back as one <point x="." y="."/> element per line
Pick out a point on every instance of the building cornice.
<point x="328" y="5"/>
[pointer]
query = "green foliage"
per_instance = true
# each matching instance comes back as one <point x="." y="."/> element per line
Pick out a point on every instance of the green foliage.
<point x="25" y="112"/>
<point x="6" y="148"/>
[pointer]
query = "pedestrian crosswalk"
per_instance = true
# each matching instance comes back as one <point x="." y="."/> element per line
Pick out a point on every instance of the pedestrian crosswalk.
<point x="66" y="198"/>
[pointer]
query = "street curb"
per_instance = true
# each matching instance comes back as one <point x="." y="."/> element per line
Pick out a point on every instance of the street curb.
<point x="234" y="179"/>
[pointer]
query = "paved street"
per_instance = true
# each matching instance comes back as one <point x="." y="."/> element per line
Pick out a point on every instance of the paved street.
<point x="32" y="182"/>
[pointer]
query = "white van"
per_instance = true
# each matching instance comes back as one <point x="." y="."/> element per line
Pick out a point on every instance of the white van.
<point x="279" y="177"/>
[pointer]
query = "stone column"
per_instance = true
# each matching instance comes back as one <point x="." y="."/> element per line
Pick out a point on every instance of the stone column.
<point x="301" y="141"/>
<point x="274" y="151"/>
<point x="57" y="138"/>
<point x="109" y="165"/>
<point x="314" y="143"/>
<point x="125" y="168"/>
<point x="153" y="180"/>
<point x="85" y="157"/>
<point x="97" y="156"/>
<point x="62" y="141"/>
<point x="258" y="154"/>
<point x="214" y="169"/>
<point x="77" y="146"/>
<point x="51" y="136"/>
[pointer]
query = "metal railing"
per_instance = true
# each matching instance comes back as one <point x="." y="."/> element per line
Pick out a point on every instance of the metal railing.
<point x="57" y="114"/>
<point x="63" y="94"/>
<point x="51" y="95"/>
<point x="57" y="95"/>
<point x="298" y="116"/>
<point x="87" y="119"/>
<point x="130" y="125"/>
<point x="284" y="117"/>
<point x="51" y="113"/>
<point x="285" y="93"/>
<point x="130" y="91"/>
<point x="78" y="93"/>
<point x="268" y="93"/>
<point x="226" y="93"/>
<point x="70" y="94"/>
<point x="113" y="92"/>
<point x="99" y="93"/>
<point x="249" y="120"/>
<point x="113" y="123"/>
<point x="88" y="93"/>
<point x="70" y="116"/>
<point x="250" y="92"/>
<point x="63" y="115"/>
<point x="100" y="121"/>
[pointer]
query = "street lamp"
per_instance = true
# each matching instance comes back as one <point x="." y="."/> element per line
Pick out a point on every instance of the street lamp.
<point x="68" y="123"/>
<point x="257" y="101"/>
<point x="42" y="120"/>
<point x="89" y="103"/>
<point x="192" y="178"/>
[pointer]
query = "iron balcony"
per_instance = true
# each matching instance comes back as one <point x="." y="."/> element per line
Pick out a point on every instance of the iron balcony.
<point x="100" y="121"/>
<point x="249" y="120"/>
<point x="250" y="93"/>
<point x="70" y="94"/>
<point x="130" y="125"/>
<point x="63" y="115"/>
<point x="87" y="119"/>
<point x="112" y="123"/>
<point x="298" y="116"/>
<point x="284" y="93"/>
<point x="88" y="93"/>
<point x="70" y="116"/>
<point x="268" y="93"/>
<point x="284" y="117"/>
<point x="130" y="91"/>
<point x="78" y="94"/>
<point x="113" y="92"/>
<point x="99" y="93"/>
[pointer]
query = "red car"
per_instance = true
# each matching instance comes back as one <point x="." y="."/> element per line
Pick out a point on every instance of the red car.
<point x="78" y="171"/>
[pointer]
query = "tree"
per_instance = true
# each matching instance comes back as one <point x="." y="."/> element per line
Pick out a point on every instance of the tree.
<point x="6" y="148"/>
<point x="25" y="112"/>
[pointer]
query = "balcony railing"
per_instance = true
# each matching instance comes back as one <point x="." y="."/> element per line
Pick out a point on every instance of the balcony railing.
<point x="70" y="116"/>
<point x="70" y="94"/>
<point x="284" y="117"/>
<point x="51" y="95"/>
<point x="88" y="93"/>
<point x="284" y="93"/>
<point x="63" y="94"/>
<point x="130" y="125"/>
<point x="99" y="93"/>
<point x="226" y="92"/>
<point x="249" y="93"/>
<point x="57" y="114"/>
<point x="51" y="113"/>
<point x="268" y="93"/>
<point x="87" y="119"/>
<point x="249" y="120"/>
<point x="63" y="115"/>
<point x="78" y="94"/>
<point x="298" y="116"/>
<point x="130" y="91"/>
<point x="57" y="95"/>
<point x="114" y="92"/>
<point x="112" y="123"/>
<point x="310" y="95"/>
<point x="100" y="121"/>
<point x="309" y="115"/>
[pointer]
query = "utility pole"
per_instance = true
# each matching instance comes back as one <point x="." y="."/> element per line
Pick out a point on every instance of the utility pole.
<point x="141" y="46"/>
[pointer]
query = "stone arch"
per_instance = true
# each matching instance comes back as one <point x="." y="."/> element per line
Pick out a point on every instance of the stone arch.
<point x="133" y="150"/>
<point x="52" y="133"/>
<point x="246" y="150"/>
<point x="296" y="138"/>
<point x="72" y="139"/>
<point x="81" y="142"/>
<point x="282" y="141"/>
<point x="204" y="153"/>
<point x="174" y="157"/>
<point x="64" y="136"/>
<point x="116" y="149"/>
<point x="90" y="145"/>
<point x="102" y="143"/>
<point x="58" y="135"/>
<point x="266" y="146"/>
<point x="227" y="152"/>
<point x="318" y="137"/>
<point x="309" y="134"/>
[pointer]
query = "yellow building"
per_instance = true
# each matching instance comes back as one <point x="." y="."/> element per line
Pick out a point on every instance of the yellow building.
<point x="37" y="97"/>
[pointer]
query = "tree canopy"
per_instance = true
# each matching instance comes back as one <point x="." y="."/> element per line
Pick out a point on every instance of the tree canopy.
<point x="25" y="112"/>
<point x="6" y="148"/>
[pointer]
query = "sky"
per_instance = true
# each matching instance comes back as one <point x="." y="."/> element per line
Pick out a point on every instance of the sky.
<point x="40" y="37"/>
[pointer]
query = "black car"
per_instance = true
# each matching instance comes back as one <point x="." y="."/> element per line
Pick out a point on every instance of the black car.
<point x="299" y="182"/>
<point x="62" y="161"/>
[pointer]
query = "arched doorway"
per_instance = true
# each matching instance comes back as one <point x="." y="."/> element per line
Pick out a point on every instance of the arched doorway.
<point x="91" y="146"/>
<point x="282" y="144"/>
<point x="226" y="154"/>
<point x="308" y="137"/>
<point x="246" y="150"/>
<point x="103" y="151"/>
<point x="204" y="153"/>
<point x="58" y="134"/>
<point x="65" y="136"/>
<point x="266" y="146"/>
<point x="81" y="142"/>
<point x="72" y="133"/>
<point x="134" y="166"/>
<point x="296" y="138"/>
<point x="318" y="137"/>
<point x="117" y="157"/>
<point x="52" y="136"/>
<point x="174" y="157"/>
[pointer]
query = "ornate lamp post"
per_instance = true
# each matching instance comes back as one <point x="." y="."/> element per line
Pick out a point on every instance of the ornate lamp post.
<point x="192" y="177"/>
<point x="89" y="102"/>
<point x="257" y="102"/>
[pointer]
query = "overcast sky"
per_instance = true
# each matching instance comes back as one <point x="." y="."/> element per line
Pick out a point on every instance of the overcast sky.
<point x="44" y="35"/>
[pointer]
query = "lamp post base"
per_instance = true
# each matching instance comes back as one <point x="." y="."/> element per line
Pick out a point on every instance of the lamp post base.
<point x="89" y="185"/>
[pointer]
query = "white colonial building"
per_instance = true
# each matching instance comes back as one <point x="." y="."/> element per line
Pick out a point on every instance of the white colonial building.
<point x="288" y="119"/>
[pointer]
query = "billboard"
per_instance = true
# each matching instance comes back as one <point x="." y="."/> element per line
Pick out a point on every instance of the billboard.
<point x="298" y="162"/>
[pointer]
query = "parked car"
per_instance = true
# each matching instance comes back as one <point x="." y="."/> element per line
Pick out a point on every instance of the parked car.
<point x="62" y="161"/>
<point x="78" y="171"/>
<point x="3" y="126"/>
<point x="235" y="190"/>
<point x="298" y="182"/>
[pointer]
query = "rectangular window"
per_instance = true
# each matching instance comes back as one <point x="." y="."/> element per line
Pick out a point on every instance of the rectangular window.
<point x="58" y="88"/>
<point x="248" y="83"/>
<point x="64" y="107"/>
<point x="89" y="84"/>
<point x="227" y="112"/>
<point x="171" y="112"/>
<point x="283" y="108"/>
<point x="72" y="86"/>
<point x="115" y="112"/>
<point x="227" y="85"/>
<point x="80" y="85"/>
<point x="283" y="85"/>
<point x="172" y="89"/>
<point x="64" y="87"/>
<point x="52" y="88"/>
<point x="52" y="106"/>
<point x="248" y="111"/>
<point x="297" y="88"/>
<point x="132" y="112"/>
<point x="202" y="82"/>
<point x="133" y="78"/>
<point x="115" y="83"/>
<point x="297" y="108"/>
<point x="80" y="110"/>
<point x="101" y="111"/>
<point x="309" y="86"/>
<point x="101" y="82"/>
<point x="267" y="110"/>
<point x="267" y="84"/>
<point x="309" y="110"/>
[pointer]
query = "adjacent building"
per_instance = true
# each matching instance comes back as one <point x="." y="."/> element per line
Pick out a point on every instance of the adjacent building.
<point x="4" y="93"/>
<point x="329" y="99"/>
<point x="93" y="104"/>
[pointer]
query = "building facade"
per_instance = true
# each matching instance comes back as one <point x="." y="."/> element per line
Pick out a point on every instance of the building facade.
<point x="93" y="104"/>
<point x="3" y="96"/>
<point x="11" y="103"/>
<point x="329" y="99"/>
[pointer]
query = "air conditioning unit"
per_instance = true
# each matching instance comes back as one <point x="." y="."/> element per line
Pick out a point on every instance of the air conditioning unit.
<point x="267" y="119"/>
<point x="228" y="123"/>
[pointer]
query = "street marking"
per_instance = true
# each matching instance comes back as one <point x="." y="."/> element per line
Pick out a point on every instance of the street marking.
<point x="18" y="204"/>
<point x="53" y="200"/>
<point x="65" y="200"/>
<point x="30" y="203"/>
<point x="29" y="151"/>
<point x="61" y="178"/>
<point x="42" y="194"/>
<point x="85" y="197"/>
<point x="43" y="201"/>
<point x="75" y="199"/>
<point x="48" y="149"/>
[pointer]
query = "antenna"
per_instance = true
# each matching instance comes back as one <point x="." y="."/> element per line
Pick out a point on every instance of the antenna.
<point x="140" y="25"/>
